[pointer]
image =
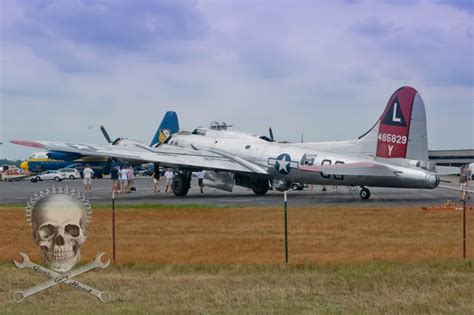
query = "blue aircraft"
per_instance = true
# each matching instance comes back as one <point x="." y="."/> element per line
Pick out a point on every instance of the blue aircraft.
<point x="54" y="160"/>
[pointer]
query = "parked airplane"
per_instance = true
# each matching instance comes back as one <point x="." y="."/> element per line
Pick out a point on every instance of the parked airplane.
<point x="53" y="160"/>
<point x="393" y="153"/>
<point x="46" y="161"/>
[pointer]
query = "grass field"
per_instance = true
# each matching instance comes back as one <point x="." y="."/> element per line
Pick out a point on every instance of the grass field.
<point x="188" y="258"/>
<point x="189" y="235"/>
<point x="416" y="288"/>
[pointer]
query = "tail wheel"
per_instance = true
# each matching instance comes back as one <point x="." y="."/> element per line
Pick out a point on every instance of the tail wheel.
<point x="180" y="185"/>
<point x="364" y="193"/>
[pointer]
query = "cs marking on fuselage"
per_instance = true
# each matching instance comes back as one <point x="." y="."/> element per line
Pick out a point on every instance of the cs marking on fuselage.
<point x="283" y="163"/>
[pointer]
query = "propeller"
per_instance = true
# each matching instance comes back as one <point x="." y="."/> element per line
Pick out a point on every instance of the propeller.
<point x="271" y="133"/>
<point x="105" y="133"/>
<point x="108" y="164"/>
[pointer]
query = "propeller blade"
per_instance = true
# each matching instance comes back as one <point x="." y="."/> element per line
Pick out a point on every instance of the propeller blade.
<point x="271" y="133"/>
<point x="106" y="135"/>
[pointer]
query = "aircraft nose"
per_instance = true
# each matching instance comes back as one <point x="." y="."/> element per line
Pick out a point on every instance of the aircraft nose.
<point x="24" y="165"/>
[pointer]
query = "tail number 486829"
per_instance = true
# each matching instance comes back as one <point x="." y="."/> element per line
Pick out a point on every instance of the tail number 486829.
<point x="386" y="137"/>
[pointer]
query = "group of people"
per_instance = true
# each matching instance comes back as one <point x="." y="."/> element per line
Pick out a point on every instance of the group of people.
<point x="122" y="179"/>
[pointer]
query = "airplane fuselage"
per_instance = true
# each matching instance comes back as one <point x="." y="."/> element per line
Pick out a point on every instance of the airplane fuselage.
<point x="292" y="163"/>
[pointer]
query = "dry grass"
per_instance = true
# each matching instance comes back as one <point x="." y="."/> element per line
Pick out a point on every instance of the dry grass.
<point x="255" y="236"/>
<point x="394" y="288"/>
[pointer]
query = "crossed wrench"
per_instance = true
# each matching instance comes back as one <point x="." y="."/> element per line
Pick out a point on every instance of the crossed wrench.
<point x="56" y="278"/>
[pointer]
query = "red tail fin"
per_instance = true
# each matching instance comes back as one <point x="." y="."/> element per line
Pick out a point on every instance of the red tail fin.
<point x="392" y="139"/>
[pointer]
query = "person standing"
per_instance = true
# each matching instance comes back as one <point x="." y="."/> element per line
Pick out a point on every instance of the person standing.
<point x="464" y="175"/>
<point x="124" y="179"/>
<point x="114" y="176"/>
<point x="201" y="175"/>
<point x="156" y="178"/>
<point x="169" y="175"/>
<point x="87" y="173"/>
<point x="130" y="177"/>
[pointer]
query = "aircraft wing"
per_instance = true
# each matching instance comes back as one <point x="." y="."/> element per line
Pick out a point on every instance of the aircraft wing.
<point x="165" y="155"/>
<point x="354" y="169"/>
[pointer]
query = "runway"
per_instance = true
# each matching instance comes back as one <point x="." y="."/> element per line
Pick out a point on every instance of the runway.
<point x="17" y="193"/>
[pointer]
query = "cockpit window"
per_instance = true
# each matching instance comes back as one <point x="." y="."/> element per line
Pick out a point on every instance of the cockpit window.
<point x="432" y="167"/>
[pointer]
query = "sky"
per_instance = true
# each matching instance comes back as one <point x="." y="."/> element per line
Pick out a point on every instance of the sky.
<point x="325" y="69"/>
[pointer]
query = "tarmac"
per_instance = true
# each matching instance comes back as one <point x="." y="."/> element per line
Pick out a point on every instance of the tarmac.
<point x="18" y="193"/>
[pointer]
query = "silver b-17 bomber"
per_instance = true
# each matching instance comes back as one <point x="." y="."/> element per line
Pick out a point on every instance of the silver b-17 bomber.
<point x="393" y="153"/>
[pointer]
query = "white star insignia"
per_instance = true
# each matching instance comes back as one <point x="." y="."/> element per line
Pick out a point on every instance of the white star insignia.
<point x="283" y="164"/>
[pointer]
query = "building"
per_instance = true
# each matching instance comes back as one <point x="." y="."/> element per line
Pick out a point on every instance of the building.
<point x="452" y="157"/>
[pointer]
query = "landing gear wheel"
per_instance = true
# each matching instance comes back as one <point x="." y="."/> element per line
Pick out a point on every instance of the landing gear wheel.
<point x="364" y="193"/>
<point x="261" y="187"/>
<point x="180" y="185"/>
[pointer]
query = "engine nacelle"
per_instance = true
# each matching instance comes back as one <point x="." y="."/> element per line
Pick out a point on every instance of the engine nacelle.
<point x="259" y="185"/>
<point x="219" y="180"/>
<point x="63" y="156"/>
